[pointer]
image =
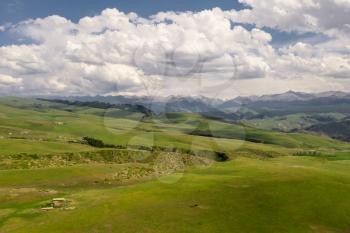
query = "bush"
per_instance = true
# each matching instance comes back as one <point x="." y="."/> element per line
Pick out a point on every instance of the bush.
<point x="221" y="156"/>
<point x="97" y="143"/>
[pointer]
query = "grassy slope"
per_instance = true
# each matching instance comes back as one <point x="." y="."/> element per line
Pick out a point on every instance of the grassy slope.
<point x="37" y="120"/>
<point x="11" y="146"/>
<point x="284" y="194"/>
<point x="291" y="122"/>
<point x="245" y="195"/>
<point x="219" y="129"/>
<point x="285" y="123"/>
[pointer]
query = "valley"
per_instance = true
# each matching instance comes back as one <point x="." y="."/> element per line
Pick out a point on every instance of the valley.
<point x="122" y="170"/>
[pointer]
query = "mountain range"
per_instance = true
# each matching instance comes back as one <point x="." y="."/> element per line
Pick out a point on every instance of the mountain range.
<point x="200" y="104"/>
<point x="326" y="113"/>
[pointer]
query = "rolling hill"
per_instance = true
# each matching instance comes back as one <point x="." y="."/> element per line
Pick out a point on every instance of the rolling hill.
<point x="336" y="129"/>
<point x="206" y="174"/>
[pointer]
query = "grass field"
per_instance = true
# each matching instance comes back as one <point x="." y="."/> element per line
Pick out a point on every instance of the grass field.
<point x="273" y="182"/>
<point x="292" y="122"/>
<point x="39" y="121"/>
<point x="289" y="194"/>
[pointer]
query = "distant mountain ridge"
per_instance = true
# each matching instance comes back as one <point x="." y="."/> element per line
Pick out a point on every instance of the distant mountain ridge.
<point x="292" y="96"/>
<point x="275" y="108"/>
<point x="296" y="101"/>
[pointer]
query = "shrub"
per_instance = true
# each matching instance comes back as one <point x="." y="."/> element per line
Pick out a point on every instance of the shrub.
<point x="97" y="143"/>
<point x="221" y="156"/>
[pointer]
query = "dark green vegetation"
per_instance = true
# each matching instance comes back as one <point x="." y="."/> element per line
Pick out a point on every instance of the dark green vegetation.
<point x="335" y="129"/>
<point x="300" y="112"/>
<point x="123" y="170"/>
<point x="97" y="143"/>
<point x="335" y="125"/>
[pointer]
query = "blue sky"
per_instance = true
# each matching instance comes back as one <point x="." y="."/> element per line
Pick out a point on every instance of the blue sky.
<point x="13" y="11"/>
<point x="17" y="10"/>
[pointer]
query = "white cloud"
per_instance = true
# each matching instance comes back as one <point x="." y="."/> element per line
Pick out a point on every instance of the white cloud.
<point x="325" y="16"/>
<point x="170" y="52"/>
<point x="9" y="80"/>
<point x="50" y="29"/>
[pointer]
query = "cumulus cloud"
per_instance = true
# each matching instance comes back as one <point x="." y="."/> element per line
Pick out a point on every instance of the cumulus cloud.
<point x="171" y="52"/>
<point x="331" y="16"/>
<point x="115" y="51"/>
<point x="7" y="79"/>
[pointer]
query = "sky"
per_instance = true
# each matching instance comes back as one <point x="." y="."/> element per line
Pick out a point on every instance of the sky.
<point x="218" y="49"/>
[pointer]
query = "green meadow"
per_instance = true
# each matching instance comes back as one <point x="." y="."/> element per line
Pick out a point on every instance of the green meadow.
<point x="159" y="176"/>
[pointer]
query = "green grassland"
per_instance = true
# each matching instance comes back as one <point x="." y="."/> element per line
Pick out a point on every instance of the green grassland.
<point x="288" y="194"/>
<point x="39" y="121"/>
<point x="273" y="181"/>
<point x="291" y="122"/>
